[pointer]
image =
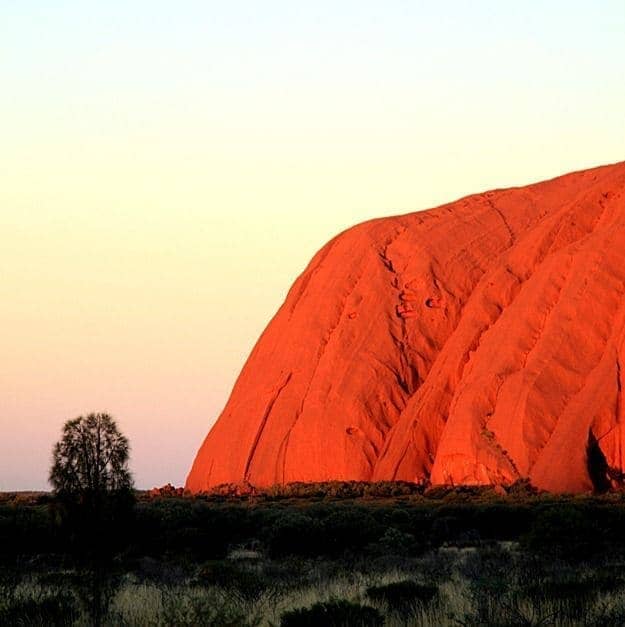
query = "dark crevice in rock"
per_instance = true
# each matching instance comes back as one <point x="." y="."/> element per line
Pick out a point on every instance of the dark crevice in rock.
<point x="597" y="465"/>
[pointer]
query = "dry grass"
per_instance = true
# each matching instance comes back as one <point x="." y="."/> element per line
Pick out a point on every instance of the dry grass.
<point x="481" y="587"/>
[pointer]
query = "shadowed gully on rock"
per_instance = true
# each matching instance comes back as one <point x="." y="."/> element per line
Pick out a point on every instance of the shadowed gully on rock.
<point x="479" y="342"/>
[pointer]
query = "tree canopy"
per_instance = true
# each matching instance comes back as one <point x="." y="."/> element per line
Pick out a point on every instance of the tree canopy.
<point x="91" y="457"/>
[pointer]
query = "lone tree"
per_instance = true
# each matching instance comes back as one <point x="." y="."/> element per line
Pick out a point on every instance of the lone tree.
<point x="91" y="459"/>
<point x="94" y="493"/>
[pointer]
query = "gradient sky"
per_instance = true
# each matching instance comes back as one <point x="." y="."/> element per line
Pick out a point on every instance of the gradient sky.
<point x="168" y="168"/>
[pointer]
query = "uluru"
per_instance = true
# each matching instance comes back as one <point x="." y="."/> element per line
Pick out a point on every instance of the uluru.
<point x="481" y="342"/>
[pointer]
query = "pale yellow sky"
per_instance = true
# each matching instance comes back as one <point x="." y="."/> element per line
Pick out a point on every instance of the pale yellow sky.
<point x="164" y="176"/>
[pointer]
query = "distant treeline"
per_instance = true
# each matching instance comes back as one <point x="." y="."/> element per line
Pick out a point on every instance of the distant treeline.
<point x="332" y="520"/>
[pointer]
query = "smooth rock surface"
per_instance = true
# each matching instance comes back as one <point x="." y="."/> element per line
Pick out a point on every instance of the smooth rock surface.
<point x="480" y="342"/>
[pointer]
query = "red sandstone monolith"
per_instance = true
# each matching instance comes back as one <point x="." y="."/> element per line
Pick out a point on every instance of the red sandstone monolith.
<point x="480" y="342"/>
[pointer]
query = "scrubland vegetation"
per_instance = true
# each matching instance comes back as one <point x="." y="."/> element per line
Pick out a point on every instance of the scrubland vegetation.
<point x="319" y="554"/>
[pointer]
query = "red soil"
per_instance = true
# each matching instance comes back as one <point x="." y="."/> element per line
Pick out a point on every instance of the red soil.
<point x="476" y="343"/>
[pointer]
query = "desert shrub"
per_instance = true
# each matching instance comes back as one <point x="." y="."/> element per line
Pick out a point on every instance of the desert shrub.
<point x="26" y="530"/>
<point x="327" y="489"/>
<point x="293" y="533"/>
<point x="522" y="490"/>
<point x="499" y="521"/>
<point x="468" y="523"/>
<point x="488" y="571"/>
<point x="405" y="519"/>
<point x="394" y="517"/>
<point x="403" y="596"/>
<point x="333" y="614"/>
<point x="565" y="532"/>
<point x="196" y="529"/>
<point x="394" y="542"/>
<point x="243" y="583"/>
<point x="323" y="529"/>
<point x="436" y="567"/>
<point x="199" y="543"/>
<point x="461" y="493"/>
<point x="445" y="528"/>
<point x="196" y="607"/>
<point x="349" y="529"/>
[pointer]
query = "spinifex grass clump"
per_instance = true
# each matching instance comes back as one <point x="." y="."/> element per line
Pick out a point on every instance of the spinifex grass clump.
<point x="403" y="597"/>
<point x="333" y="614"/>
<point x="243" y="583"/>
<point x="570" y="598"/>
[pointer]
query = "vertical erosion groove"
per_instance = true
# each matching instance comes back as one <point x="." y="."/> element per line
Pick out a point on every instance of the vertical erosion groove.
<point x="261" y="427"/>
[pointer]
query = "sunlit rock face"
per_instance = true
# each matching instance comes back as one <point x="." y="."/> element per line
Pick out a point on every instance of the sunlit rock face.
<point x="480" y="342"/>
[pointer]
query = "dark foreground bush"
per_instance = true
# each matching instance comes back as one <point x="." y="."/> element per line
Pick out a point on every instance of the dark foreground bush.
<point x="242" y="583"/>
<point x="293" y="533"/>
<point x="563" y="532"/>
<point x="395" y="542"/>
<point x="333" y="614"/>
<point x="403" y="596"/>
